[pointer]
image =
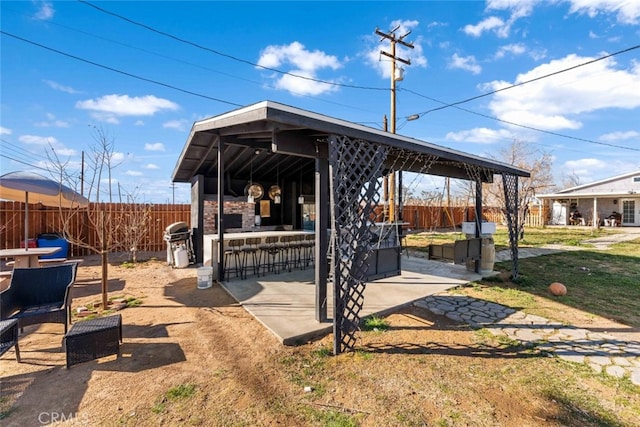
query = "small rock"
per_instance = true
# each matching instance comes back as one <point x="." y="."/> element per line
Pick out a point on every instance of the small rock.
<point x="81" y="309"/>
<point x="308" y="389"/>
<point x="86" y="313"/>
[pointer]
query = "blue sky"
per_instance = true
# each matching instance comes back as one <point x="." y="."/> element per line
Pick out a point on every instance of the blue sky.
<point x="148" y="88"/>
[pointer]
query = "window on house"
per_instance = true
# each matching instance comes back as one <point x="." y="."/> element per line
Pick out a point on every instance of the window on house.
<point x="636" y="179"/>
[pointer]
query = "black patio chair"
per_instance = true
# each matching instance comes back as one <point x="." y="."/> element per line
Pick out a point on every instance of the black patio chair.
<point x="39" y="295"/>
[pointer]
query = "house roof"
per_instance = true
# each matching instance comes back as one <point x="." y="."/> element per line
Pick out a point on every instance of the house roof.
<point x="268" y="138"/>
<point x="627" y="184"/>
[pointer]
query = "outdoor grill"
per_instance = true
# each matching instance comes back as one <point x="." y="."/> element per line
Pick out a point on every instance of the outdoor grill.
<point x="179" y="245"/>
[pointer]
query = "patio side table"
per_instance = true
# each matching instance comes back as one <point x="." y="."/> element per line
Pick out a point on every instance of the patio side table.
<point x="9" y="337"/>
<point x="91" y="339"/>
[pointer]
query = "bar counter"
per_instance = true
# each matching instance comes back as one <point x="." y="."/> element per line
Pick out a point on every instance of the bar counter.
<point x="210" y="254"/>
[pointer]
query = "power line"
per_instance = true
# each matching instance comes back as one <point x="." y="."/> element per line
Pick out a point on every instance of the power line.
<point x="525" y="126"/>
<point x="529" y="81"/>
<point x="23" y="162"/>
<point x="187" y="63"/>
<point x="226" y="55"/>
<point x="115" y="70"/>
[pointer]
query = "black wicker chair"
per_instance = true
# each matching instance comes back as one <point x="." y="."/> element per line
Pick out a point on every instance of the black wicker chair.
<point x="39" y="295"/>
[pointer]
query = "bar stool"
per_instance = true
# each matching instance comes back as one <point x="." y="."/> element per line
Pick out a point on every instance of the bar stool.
<point x="272" y="250"/>
<point x="296" y="245"/>
<point x="308" y="249"/>
<point x="234" y="249"/>
<point x="252" y="250"/>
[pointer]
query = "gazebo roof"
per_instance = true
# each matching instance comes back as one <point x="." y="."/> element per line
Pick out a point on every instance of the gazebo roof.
<point x="269" y="138"/>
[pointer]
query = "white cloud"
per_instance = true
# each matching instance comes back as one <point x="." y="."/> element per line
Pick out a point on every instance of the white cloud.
<point x="513" y="49"/>
<point x="45" y="11"/>
<point x="52" y="122"/>
<point x="382" y="64"/>
<point x="133" y="173"/>
<point x="181" y="125"/>
<point x="61" y="88"/>
<point x="491" y="23"/>
<point x="620" y="136"/>
<point x="139" y="123"/>
<point x="467" y="63"/>
<point x="47" y="142"/>
<point x="586" y="169"/>
<point x="627" y="12"/>
<point x="37" y="140"/>
<point x="479" y="135"/>
<point x="5" y="131"/>
<point x="516" y="8"/>
<point x="556" y="102"/>
<point x="118" y="157"/>
<point x="295" y="59"/>
<point x="65" y="152"/>
<point x="151" y="166"/>
<point x="157" y="146"/>
<point x="436" y="24"/>
<point x="108" y="107"/>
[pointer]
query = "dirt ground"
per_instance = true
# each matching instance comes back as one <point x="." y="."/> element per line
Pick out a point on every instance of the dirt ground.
<point x="425" y="370"/>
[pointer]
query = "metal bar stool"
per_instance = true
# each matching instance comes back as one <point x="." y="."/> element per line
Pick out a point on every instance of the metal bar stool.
<point x="296" y="244"/>
<point x="234" y="249"/>
<point x="308" y="249"/>
<point x="272" y="251"/>
<point x="251" y="250"/>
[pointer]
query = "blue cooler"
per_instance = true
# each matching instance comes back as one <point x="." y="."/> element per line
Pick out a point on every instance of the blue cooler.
<point x="49" y="240"/>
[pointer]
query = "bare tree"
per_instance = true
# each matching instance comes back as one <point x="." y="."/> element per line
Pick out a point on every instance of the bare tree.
<point x="99" y="215"/>
<point x="135" y="226"/>
<point x="570" y="180"/>
<point x="525" y="156"/>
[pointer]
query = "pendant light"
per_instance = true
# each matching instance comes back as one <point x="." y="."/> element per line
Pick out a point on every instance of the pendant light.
<point x="276" y="199"/>
<point x="250" y="198"/>
<point x="301" y="197"/>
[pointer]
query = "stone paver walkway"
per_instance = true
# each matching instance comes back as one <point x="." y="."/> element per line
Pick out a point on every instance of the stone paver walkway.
<point x="602" y="352"/>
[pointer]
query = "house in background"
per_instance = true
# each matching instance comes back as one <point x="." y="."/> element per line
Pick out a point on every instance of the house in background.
<point x="613" y="201"/>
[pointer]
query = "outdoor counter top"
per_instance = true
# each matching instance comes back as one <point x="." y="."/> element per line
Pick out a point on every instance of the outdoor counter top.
<point x="210" y="249"/>
<point x="257" y="233"/>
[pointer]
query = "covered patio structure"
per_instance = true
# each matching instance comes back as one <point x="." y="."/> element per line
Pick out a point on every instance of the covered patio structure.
<point x="335" y="165"/>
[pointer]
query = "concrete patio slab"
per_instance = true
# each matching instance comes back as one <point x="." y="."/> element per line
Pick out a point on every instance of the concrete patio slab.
<point x="284" y="303"/>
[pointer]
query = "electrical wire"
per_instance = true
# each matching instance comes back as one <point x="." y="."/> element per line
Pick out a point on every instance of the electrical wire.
<point x="529" y="81"/>
<point x="226" y="55"/>
<point x="525" y="126"/>
<point x="115" y="70"/>
<point x="371" y="88"/>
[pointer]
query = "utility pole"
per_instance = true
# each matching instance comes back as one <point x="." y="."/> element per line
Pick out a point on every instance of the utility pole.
<point x="82" y="175"/>
<point x="396" y="75"/>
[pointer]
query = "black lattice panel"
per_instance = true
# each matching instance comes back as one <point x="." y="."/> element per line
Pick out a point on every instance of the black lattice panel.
<point x="510" y="184"/>
<point x="356" y="166"/>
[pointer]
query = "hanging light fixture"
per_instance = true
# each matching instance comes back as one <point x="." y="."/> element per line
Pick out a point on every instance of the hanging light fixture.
<point x="250" y="198"/>
<point x="300" y="197"/>
<point x="275" y="192"/>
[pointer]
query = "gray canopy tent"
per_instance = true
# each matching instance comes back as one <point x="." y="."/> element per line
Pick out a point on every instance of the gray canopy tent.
<point x="342" y="161"/>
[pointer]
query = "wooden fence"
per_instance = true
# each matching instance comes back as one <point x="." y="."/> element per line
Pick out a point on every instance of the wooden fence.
<point x="48" y="220"/>
<point x="434" y="217"/>
<point x="44" y="219"/>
